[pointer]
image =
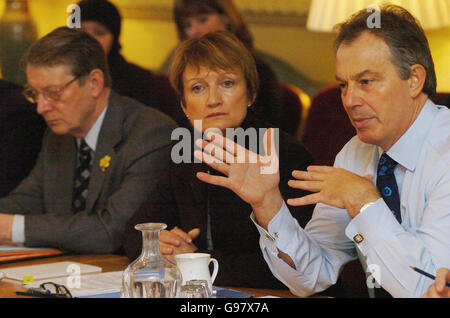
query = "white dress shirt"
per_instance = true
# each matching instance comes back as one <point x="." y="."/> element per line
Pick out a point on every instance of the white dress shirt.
<point x="387" y="248"/>
<point x="18" y="227"/>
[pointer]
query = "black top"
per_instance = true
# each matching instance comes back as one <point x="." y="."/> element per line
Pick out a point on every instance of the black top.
<point x="21" y="131"/>
<point x="180" y="199"/>
<point x="267" y="105"/>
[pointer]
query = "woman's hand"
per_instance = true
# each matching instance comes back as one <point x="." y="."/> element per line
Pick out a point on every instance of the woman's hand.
<point x="254" y="178"/>
<point x="176" y="241"/>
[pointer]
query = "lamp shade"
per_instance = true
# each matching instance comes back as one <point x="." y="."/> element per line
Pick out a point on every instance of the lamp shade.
<point x="325" y="14"/>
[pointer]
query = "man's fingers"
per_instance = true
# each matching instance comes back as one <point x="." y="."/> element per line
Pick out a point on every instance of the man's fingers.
<point x="322" y="169"/>
<point x="442" y="275"/>
<point x="308" y="175"/>
<point x="306" y="200"/>
<point x="312" y="186"/>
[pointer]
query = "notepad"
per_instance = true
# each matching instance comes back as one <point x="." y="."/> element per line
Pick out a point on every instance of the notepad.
<point x="50" y="270"/>
<point x="99" y="285"/>
<point x="10" y="253"/>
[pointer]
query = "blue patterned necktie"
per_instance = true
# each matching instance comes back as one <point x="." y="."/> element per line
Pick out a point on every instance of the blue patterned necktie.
<point x="81" y="181"/>
<point x="387" y="185"/>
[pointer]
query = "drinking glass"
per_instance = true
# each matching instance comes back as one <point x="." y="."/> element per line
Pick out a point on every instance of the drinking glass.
<point x="200" y="282"/>
<point x="193" y="291"/>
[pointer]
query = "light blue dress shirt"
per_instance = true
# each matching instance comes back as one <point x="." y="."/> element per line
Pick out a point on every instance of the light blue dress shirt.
<point x="387" y="248"/>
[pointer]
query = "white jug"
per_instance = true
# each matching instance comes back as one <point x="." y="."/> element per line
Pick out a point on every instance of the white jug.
<point x="196" y="266"/>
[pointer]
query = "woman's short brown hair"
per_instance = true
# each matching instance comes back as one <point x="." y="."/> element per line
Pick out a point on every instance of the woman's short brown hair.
<point x="72" y="47"/>
<point x="403" y="35"/>
<point x="219" y="50"/>
<point x="236" y="23"/>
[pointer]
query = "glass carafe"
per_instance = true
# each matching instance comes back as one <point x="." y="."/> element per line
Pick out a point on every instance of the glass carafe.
<point x="151" y="275"/>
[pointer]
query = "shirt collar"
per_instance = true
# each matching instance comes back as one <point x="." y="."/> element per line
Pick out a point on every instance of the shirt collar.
<point x="407" y="149"/>
<point x="92" y="136"/>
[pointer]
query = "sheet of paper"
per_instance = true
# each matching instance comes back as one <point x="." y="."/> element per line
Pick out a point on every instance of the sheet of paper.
<point x="89" y="284"/>
<point x="18" y="248"/>
<point x="49" y="271"/>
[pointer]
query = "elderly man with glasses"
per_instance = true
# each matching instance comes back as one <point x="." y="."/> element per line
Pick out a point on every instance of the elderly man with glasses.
<point x="100" y="157"/>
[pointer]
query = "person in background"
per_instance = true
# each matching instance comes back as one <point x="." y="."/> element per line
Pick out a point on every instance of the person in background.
<point x="21" y="131"/>
<point x="200" y="16"/>
<point x="216" y="78"/>
<point x="439" y="289"/>
<point x="193" y="19"/>
<point x="443" y="99"/>
<point x="100" y="156"/>
<point x="386" y="200"/>
<point x="102" y="20"/>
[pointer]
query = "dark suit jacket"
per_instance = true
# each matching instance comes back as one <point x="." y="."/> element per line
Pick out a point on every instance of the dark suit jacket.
<point x="180" y="199"/>
<point x="21" y="131"/>
<point x="136" y="138"/>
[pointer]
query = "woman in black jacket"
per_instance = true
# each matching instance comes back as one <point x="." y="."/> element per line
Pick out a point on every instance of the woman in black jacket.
<point x="216" y="79"/>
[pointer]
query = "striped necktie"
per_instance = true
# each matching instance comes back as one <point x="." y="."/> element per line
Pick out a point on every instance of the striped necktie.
<point x="82" y="174"/>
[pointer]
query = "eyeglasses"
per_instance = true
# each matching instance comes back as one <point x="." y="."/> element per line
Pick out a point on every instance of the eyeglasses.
<point x="50" y="93"/>
<point x="55" y="290"/>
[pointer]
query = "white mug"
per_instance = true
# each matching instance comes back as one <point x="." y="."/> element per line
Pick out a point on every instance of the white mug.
<point x="196" y="266"/>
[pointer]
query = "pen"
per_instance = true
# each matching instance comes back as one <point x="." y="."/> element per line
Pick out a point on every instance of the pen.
<point x="39" y="293"/>
<point x="427" y="274"/>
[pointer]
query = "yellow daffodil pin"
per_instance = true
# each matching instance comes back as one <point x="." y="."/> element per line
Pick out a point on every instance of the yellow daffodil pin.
<point x="104" y="162"/>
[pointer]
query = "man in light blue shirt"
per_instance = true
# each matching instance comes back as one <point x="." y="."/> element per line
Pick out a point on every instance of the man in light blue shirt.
<point x="386" y="76"/>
